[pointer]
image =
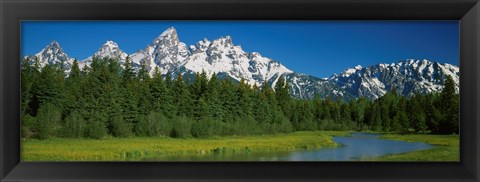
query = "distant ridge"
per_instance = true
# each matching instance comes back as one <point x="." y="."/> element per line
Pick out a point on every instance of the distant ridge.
<point x="223" y="57"/>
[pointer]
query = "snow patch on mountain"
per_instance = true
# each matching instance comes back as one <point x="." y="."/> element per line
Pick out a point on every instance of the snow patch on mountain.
<point x="408" y="77"/>
<point x="109" y="49"/>
<point x="223" y="57"/>
<point x="52" y="54"/>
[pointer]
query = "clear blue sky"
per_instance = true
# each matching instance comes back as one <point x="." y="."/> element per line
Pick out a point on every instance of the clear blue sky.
<point x="318" y="48"/>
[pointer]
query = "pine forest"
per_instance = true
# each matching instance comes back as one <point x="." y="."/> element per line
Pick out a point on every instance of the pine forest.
<point x="110" y="100"/>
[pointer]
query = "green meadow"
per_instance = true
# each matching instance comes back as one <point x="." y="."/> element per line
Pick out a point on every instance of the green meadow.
<point x="139" y="148"/>
<point x="446" y="147"/>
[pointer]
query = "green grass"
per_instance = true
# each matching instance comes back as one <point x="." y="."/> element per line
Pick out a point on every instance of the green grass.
<point x="138" y="148"/>
<point x="446" y="148"/>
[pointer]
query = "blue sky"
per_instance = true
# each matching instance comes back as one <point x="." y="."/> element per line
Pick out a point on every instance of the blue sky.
<point x="318" y="48"/>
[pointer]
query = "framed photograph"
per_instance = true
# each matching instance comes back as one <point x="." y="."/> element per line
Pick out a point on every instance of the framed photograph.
<point x="239" y="90"/>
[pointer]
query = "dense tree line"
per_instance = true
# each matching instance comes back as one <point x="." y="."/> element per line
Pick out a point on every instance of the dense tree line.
<point x="107" y="99"/>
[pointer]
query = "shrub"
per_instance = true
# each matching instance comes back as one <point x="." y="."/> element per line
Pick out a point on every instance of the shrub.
<point x="155" y="124"/>
<point x="181" y="127"/>
<point x="27" y="126"/>
<point x="74" y="126"/>
<point x="47" y="121"/>
<point x="201" y="129"/>
<point x="119" y="127"/>
<point x="244" y="126"/>
<point x="165" y="126"/>
<point x="327" y="124"/>
<point x="207" y="127"/>
<point x="161" y="125"/>
<point x="96" y="127"/>
<point x="143" y="127"/>
<point x="284" y="125"/>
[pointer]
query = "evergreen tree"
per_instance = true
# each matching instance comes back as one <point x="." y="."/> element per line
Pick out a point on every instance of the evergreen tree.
<point x="260" y="106"/>
<point x="354" y="113"/>
<point x="319" y="114"/>
<point x="145" y="103"/>
<point x="181" y="97"/>
<point x="27" y="76"/>
<point x="243" y="105"/>
<point x="143" y="74"/>
<point x="433" y="114"/>
<point x="282" y="94"/>
<point x="161" y="94"/>
<point x="48" y="88"/>
<point x="213" y="98"/>
<point x="73" y="88"/>
<point x="345" y="116"/>
<point x="450" y="108"/>
<point x="228" y="100"/>
<point x="368" y="117"/>
<point x="128" y="71"/>
<point x="198" y="92"/>
<point x="106" y="99"/>
<point x="417" y="114"/>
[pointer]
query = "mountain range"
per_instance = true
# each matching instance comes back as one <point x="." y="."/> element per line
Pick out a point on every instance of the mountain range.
<point x="228" y="60"/>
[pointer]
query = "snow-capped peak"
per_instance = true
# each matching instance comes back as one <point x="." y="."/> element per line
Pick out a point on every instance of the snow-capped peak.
<point x="112" y="50"/>
<point x="222" y="57"/>
<point x="408" y="77"/>
<point x="109" y="49"/>
<point x="110" y="43"/>
<point x="166" y="52"/>
<point x="53" y="48"/>
<point x="168" y="37"/>
<point x="225" y="41"/>
<point x="169" y="31"/>
<point x="350" y="71"/>
<point x="200" y="46"/>
<point x="54" y="44"/>
<point x="51" y="54"/>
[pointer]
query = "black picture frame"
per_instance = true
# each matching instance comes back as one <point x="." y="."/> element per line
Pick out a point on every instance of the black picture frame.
<point x="465" y="11"/>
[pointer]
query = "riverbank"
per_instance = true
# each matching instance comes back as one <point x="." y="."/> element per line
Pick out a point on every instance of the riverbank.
<point x="446" y="148"/>
<point x="141" y="148"/>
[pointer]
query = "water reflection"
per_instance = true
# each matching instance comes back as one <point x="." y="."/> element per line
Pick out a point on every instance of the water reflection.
<point x="356" y="147"/>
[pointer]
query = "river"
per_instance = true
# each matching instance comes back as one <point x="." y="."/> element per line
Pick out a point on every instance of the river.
<point x="356" y="147"/>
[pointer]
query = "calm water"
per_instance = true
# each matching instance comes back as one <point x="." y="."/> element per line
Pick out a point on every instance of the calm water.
<point x="356" y="147"/>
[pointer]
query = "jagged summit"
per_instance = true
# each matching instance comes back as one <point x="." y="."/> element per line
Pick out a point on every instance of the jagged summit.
<point x="53" y="48"/>
<point x="168" y="37"/>
<point x="224" y="41"/>
<point x="165" y="52"/>
<point x="200" y="46"/>
<point x="112" y="50"/>
<point x="51" y="54"/>
<point x="109" y="49"/>
<point x="169" y="31"/>
<point x="54" y="44"/>
<point x="407" y="76"/>
<point x="110" y="43"/>
<point x="227" y="60"/>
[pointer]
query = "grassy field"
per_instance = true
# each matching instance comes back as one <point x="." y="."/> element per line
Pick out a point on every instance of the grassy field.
<point x="134" y="149"/>
<point x="446" y="148"/>
<point x="124" y="149"/>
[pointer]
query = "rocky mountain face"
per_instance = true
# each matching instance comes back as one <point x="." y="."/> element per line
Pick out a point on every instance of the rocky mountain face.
<point x="223" y="57"/>
<point x="52" y="54"/>
<point x="408" y="77"/>
<point x="108" y="49"/>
